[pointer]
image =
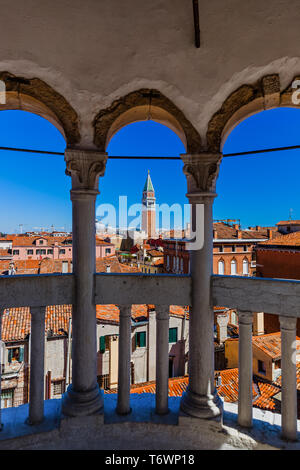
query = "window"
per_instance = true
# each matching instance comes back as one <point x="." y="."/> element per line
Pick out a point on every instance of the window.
<point x="261" y="367"/>
<point x="172" y="335"/>
<point x="140" y="339"/>
<point x="221" y="268"/>
<point x="16" y="252"/>
<point x="233" y="248"/>
<point x="65" y="267"/>
<point x="103" y="381"/>
<point x="58" y="387"/>
<point x="107" y="251"/>
<point x="245" y="248"/>
<point x="41" y="242"/>
<point x="49" y="252"/>
<point x="7" y="398"/>
<point x="62" y="252"/>
<point x="245" y="267"/>
<point x="221" y="249"/>
<point x="43" y="252"/>
<point x="104" y="344"/>
<point x="233" y="267"/>
<point x="16" y="354"/>
<point x="30" y="252"/>
<point x="38" y="252"/>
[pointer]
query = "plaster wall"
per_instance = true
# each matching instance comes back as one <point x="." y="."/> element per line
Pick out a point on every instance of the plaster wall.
<point x="93" y="52"/>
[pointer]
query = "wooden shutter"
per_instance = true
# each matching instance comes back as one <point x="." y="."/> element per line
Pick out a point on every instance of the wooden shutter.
<point x="102" y="344"/>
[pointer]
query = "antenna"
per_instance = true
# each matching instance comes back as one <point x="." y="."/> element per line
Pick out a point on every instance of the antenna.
<point x="291" y="212"/>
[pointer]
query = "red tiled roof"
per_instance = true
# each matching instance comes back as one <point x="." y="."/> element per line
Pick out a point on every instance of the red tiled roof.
<point x="270" y="344"/>
<point x="291" y="239"/>
<point x="289" y="222"/>
<point x="262" y="392"/>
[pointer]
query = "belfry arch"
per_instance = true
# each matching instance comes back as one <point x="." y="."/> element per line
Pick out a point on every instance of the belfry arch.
<point x="245" y="101"/>
<point x="142" y="105"/>
<point x="36" y="96"/>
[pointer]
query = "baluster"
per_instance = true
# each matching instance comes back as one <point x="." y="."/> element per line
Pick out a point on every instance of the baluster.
<point x="123" y="405"/>
<point x="37" y="353"/>
<point x="162" y="359"/>
<point x="245" y="369"/>
<point x="288" y="378"/>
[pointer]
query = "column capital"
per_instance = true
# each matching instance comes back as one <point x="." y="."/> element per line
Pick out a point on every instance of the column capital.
<point x="85" y="167"/>
<point x="245" y="317"/>
<point x="287" y="323"/>
<point x="201" y="170"/>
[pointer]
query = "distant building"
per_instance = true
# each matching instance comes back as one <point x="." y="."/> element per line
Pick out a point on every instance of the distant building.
<point x="232" y="250"/>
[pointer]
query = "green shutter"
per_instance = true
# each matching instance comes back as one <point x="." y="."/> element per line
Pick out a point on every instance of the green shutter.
<point x="173" y="335"/>
<point x="21" y="356"/>
<point x="143" y="339"/>
<point x="10" y="352"/>
<point x="102" y="344"/>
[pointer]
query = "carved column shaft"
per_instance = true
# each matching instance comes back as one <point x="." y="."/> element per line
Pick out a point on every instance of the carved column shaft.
<point x="83" y="395"/>
<point x="200" y="399"/>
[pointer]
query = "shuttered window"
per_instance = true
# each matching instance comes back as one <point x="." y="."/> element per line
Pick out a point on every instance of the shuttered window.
<point x="140" y="339"/>
<point x="102" y="344"/>
<point x="172" y="335"/>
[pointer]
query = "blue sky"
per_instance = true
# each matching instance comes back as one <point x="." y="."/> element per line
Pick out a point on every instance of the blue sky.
<point x="258" y="190"/>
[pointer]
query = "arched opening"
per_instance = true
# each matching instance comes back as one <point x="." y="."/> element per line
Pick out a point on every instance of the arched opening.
<point x="143" y="105"/>
<point x="221" y="267"/>
<point x="36" y="96"/>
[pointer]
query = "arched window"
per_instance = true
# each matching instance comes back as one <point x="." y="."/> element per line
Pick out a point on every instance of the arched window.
<point x="233" y="270"/>
<point x="221" y="267"/>
<point x="245" y="267"/>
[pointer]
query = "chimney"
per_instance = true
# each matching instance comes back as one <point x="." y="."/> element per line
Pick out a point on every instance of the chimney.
<point x="215" y="234"/>
<point x="257" y="227"/>
<point x="236" y="226"/>
<point x="239" y="234"/>
<point x="270" y="234"/>
<point x="222" y="322"/>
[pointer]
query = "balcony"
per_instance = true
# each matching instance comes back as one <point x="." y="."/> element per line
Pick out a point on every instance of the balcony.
<point x="155" y="421"/>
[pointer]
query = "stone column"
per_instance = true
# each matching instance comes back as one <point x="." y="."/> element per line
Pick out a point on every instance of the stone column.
<point x="123" y="405"/>
<point x="37" y="355"/>
<point x="245" y="369"/>
<point x="162" y="359"/>
<point x="200" y="399"/>
<point x="83" y="396"/>
<point x="288" y="378"/>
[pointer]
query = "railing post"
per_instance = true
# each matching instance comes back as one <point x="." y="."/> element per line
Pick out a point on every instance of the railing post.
<point x="288" y="378"/>
<point x="245" y="369"/>
<point x="162" y="359"/>
<point x="123" y="405"/>
<point x="201" y="399"/>
<point x="83" y="396"/>
<point x="37" y="353"/>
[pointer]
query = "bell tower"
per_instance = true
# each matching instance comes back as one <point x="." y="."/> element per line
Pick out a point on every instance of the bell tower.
<point x="148" y="212"/>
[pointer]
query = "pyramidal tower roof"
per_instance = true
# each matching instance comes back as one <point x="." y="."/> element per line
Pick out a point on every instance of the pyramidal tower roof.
<point x="148" y="184"/>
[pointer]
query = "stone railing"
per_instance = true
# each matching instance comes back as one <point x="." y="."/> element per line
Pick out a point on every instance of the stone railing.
<point x="247" y="295"/>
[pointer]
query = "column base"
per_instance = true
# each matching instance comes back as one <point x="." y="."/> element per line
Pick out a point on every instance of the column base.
<point x="82" y="403"/>
<point x="201" y="406"/>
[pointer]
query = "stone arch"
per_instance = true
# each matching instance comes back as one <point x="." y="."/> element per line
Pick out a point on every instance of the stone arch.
<point x="136" y="107"/>
<point x="247" y="100"/>
<point x="36" y="96"/>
